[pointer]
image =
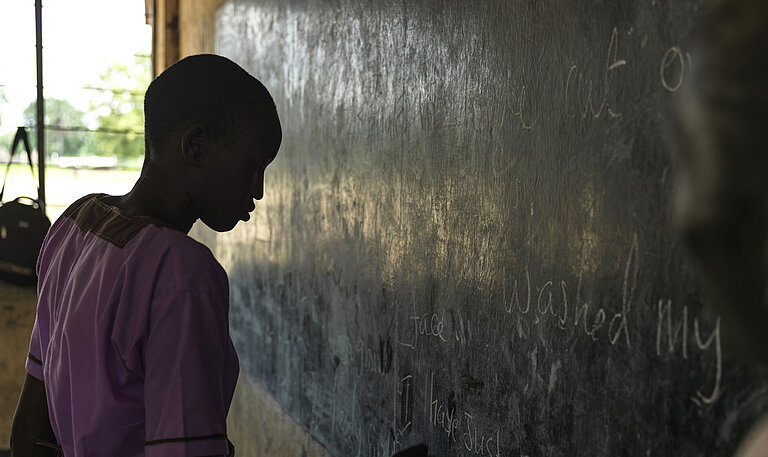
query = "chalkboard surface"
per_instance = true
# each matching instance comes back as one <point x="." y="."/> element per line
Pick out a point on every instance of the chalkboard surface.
<point x="465" y="239"/>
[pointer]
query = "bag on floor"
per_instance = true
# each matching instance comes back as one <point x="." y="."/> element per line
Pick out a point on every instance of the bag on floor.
<point x="23" y="226"/>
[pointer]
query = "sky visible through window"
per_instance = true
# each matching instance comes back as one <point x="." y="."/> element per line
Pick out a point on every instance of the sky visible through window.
<point x="81" y="39"/>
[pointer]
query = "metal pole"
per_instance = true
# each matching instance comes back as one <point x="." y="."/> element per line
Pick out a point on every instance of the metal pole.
<point x="40" y="102"/>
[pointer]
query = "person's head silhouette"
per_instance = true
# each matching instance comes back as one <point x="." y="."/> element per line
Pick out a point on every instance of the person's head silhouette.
<point x="721" y="157"/>
<point x="211" y="130"/>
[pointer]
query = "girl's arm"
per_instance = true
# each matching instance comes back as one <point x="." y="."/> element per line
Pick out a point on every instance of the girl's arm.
<point x="31" y="424"/>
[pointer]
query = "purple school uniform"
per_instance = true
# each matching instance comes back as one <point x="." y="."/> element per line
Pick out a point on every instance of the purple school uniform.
<point x="132" y="337"/>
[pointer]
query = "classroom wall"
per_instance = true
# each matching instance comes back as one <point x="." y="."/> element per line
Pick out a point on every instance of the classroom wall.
<point x="465" y="239"/>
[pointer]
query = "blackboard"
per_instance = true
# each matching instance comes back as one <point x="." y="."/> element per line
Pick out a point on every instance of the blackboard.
<point x="465" y="239"/>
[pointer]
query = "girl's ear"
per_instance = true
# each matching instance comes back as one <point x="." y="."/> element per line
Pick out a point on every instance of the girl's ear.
<point x="194" y="144"/>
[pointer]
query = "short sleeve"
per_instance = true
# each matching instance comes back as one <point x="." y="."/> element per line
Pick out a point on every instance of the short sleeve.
<point x="34" y="363"/>
<point x="185" y="352"/>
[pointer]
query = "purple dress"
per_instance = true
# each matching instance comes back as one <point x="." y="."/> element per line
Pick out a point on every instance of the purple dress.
<point x="132" y="337"/>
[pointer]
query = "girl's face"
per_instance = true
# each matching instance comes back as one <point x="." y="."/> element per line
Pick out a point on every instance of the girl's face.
<point x="232" y="174"/>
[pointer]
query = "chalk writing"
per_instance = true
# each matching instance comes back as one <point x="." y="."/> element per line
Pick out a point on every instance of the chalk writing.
<point x="523" y="101"/>
<point x="673" y="335"/>
<point x="673" y="59"/>
<point x="442" y="414"/>
<point x="425" y="325"/>
<point x="463" y="331"/>
<point x="522" y="111"/>
<point x="460" y="428"/>
<point x="579" y="98"/>
<point x="480" y="442"/>
<point x="553" y="303"/>
<point x="676" y="335"/>
<point x="377" y="361"/>
<point x="713" y="337"/>
<point x="429" y="325"/>
<point x="402" y="408"/>
<point x="547" y="307"/>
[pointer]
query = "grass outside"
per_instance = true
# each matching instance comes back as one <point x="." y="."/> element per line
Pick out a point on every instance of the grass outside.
<point x="65" y="185"/>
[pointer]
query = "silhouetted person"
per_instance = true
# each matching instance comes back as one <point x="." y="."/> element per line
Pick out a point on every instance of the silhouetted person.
<point x="721" y="179"/>
<point x="130" y="353"/>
